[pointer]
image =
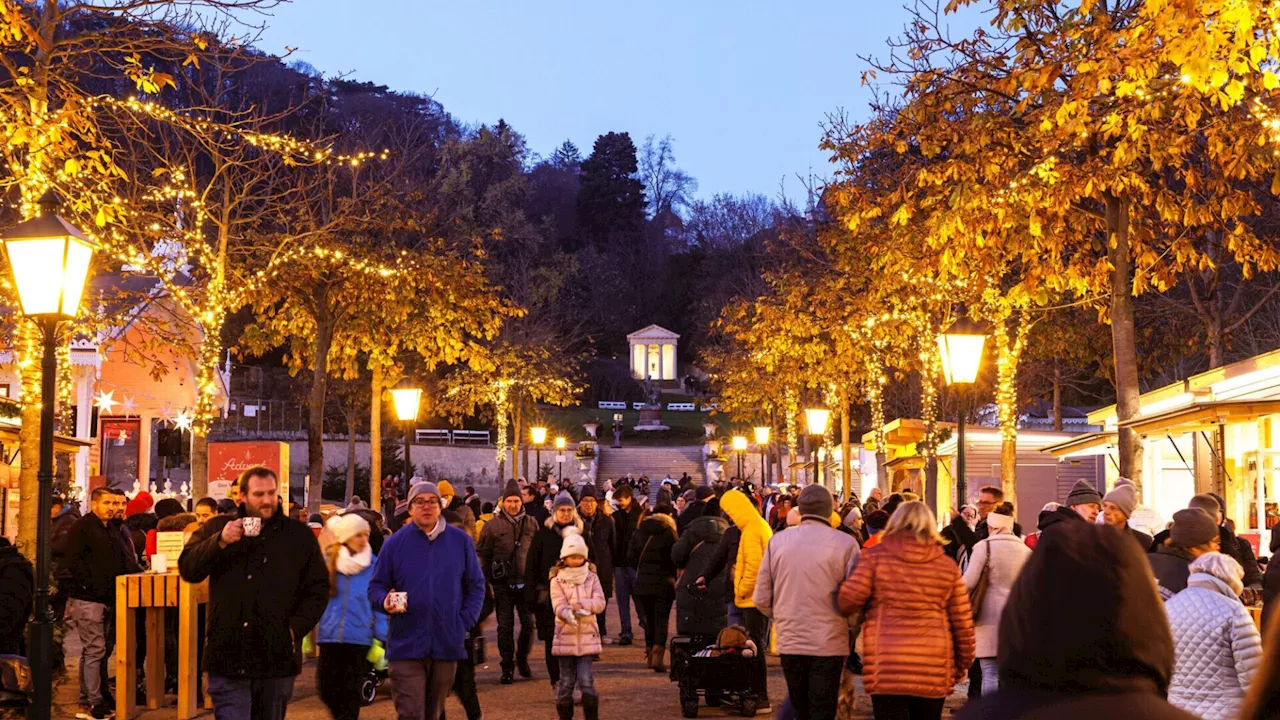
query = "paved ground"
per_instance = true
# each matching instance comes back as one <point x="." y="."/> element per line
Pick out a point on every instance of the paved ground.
<point x="628" y="690"/>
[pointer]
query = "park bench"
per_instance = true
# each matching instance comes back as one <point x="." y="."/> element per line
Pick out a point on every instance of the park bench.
<point x="431" y="434"/>
<point x="681" y="407"/>
<point x="612" y="405"/>
<point x="471" y="436"/>
<point x="637" y="406"/>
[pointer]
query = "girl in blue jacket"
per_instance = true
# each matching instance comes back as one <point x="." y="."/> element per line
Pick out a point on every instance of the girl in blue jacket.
<point x="349" y="624"/>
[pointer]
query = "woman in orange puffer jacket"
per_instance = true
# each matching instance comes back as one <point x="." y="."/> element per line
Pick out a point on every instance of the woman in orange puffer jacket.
<point x="918" y="633"/>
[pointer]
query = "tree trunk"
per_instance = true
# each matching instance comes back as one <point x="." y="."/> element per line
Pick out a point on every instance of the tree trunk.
<point x="375" y="437"/>
<point x="200" y="465"/>
<point x="1124" y="337"/>
<point x="517" y="412"/>
<point x="1009" y="468"/>
<point x="1057" y="396"/>
<point x="846" y="462"/>
<point x="351" y="456"/>
<point x="315" y="409"/>
<point x="29" y="449"/>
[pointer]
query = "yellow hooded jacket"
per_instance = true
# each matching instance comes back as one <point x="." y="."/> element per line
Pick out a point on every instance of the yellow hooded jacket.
<point x="755" y="538"/>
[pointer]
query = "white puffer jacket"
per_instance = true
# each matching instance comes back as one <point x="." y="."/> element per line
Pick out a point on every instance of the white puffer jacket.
<point x="1217" y="648"/>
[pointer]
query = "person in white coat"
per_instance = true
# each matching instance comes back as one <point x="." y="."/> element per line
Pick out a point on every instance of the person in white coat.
<point x="1217" y="649"/>
<point x="1003" y="554"/>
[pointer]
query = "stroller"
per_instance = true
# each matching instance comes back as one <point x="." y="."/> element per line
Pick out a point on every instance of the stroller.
<point x="723" y="679"/>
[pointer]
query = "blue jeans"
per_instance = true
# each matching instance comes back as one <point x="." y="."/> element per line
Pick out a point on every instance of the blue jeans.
<point x="624" y="583"/>
<point x="245" y="699"/>
<point x="575" y="670"/>
<point x="735" y="614"/>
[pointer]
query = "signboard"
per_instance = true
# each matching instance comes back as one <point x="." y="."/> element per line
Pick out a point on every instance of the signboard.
<point x="169" y="544"/>
<point x="228" y="459"/>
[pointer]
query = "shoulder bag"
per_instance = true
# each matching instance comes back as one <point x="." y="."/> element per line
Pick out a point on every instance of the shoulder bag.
<point x="979" y="591"/>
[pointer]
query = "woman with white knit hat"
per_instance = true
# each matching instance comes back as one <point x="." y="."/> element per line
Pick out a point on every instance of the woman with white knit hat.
<point x="1000" y="556"/>
<point x="349" y="625"/>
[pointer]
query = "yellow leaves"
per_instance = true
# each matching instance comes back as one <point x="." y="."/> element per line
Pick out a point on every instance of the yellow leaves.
<point x="1086" y="6"/>
<point x="1270" y="81"/>
<point x="1234" y="90"/>
<point x="1275" y="184"/>
<point x="901" y="217"/>
<point x="1257" y="54"/>
<point x="1033" y="224"/>
<point x="101" y="218"/>
<point x="71" y="167"/>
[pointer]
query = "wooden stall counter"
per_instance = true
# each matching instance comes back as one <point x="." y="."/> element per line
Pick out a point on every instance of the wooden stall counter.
<point x="154" y="593"/>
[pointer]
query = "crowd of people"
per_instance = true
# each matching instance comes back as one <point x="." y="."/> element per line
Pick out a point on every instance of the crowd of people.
<point x="1059" y="622"/>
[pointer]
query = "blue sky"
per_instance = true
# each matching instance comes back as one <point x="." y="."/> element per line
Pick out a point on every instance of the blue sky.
<point x="742" y="87"/>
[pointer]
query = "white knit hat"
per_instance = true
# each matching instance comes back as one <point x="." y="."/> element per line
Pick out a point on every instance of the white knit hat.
<point x="345" y="527"/>
<point x="573" y="544"/>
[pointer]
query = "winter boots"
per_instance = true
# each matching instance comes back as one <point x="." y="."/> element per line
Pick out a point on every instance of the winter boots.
<point x="657" y="660"/>
<point x="591" y="707"/>
<point x="565" y="709"/>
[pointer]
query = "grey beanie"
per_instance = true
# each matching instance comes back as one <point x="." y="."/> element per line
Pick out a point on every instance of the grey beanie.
<point x="423" y="487"/>
<point x="512" y="489"/>
<point x="1123" y="497"/>
<point x="564" y="499"/>
<point x="1082" y="493"/>
<point x="588" y="490"/>
<point x="1192" y="527"/>
<point x="816" y="501"/>
<point x="1208" y="503"/>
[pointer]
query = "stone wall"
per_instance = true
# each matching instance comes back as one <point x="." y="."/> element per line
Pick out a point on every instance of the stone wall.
<point x="454" y="462"/>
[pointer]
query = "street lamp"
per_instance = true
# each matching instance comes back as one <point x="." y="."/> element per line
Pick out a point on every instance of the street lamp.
<point x="739" y="445"/>
<point x="817" y="419"/>
<point x="960" y="349"/>
<point x="560" y="460"/>
<point x="50" y="260"/>
<point x="407" y="400"/>
<point x="539" y="436"/>
<point x="762" y="442"/>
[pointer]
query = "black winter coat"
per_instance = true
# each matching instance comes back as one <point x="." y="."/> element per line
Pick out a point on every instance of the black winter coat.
<point x="1271" y="582"/>
<point x="1113" y="659"/>
<point x="624" y="526"/>
<point x="17" y="591"/>
<point x="97" y="554"/>
<point x="59" y="531"/>
<point x="1171" y="567"/>
<point x="265" y="595"/>
<point x="1236" y="547"/>
<point x="700" y="611"/>
<point x="726" y="555"/>
<point x="599" y="532"/>
<point x="498" y="542"/>
<point x="650" y="550"/>
<point x="695" y="510"/>
<point x="959" y="537"/>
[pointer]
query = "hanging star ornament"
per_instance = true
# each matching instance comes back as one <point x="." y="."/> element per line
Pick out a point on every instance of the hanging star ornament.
<point x="105" y="401"/>
<point x="130" y="405"/>
<point x="184" y="420"/>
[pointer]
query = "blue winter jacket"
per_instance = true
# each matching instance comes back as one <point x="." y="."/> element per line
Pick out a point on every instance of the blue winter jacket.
<point x="446" y="592"/>
<point x="349" y="618"/>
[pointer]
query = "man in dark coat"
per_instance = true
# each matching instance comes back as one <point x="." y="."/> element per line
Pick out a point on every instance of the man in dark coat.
<point x="533" y="506"/>
<point x="1115" y="657"/>
<point x="625" y="519"/>
<point x="504" y="551"/>
<point x="98" y="551"/>
<point x="1193" y="534"/>
<point x="268" y="587"/>
<point x="1118" y="507"/>
<point x="1236" y="547"/>
<point x="696" y="509"/>
<point x="598" y="529"/>
<point x="17" y="592"/>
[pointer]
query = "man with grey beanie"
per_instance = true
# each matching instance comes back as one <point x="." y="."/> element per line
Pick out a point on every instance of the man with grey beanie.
<point x="1083" y="503"/>
<point x="1238" y="548"/>
<point x="801" y="571"/>
<point x="1193" y="534"/>
<point x="1118" y="507"/>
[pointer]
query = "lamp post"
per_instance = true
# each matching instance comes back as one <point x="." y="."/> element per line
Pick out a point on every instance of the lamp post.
<point x="960" y="349"/>
<point x="407" y="400"/>
<point x="560" y="460"/>
<point x="762" y="442"/>
<point x="739" y="446"/>
<point x="817" y="419"/>
<point x="539" y="436"/>
<point x="50" y="260"/>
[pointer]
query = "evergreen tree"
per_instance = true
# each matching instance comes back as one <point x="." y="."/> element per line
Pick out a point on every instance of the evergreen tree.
<point x="566" y="157"/>
<point x="611" y="202"/>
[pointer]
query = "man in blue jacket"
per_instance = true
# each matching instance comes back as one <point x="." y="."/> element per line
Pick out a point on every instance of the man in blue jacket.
<point x="436" y="565"/>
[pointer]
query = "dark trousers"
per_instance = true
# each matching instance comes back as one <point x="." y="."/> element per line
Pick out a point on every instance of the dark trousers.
<point x="553" y="662"/>
<point x="464" y="686"/>
<point x="905" y="707"/>
<point x="624" y="582"/>
<point x="342" y="669"/>
<point x="975" y="681"/>
<point x="654" y="605"/>
<point x="240" y="699"/>
<point x="510" y="603"/>
<point x="757" y="624"/>
<point x="814" y="685"/>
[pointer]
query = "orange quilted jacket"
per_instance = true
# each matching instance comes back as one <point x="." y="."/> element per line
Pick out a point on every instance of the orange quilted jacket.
<point x="918" y="633"/>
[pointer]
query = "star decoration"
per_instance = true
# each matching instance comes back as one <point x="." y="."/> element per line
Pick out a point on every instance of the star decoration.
<point x="129" y="405"/>
<point x="106" y="401"/>
<point x="184" y="420"/>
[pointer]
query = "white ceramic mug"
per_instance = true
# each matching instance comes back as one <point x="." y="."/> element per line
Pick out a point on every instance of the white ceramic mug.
<point x="159" y="563"/>
<point x="399" y="601"/>
<point x="252" y="526"/>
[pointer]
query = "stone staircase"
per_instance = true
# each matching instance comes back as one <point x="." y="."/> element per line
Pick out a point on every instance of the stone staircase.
<point x="655" y="462"/>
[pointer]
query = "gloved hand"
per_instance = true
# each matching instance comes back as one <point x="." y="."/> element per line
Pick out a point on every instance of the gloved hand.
<point x="1250" y="596"/>
<point x="567" y="617"/>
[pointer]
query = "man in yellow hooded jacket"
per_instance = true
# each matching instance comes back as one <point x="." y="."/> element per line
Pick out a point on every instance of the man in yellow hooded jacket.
<point x="755" y="535"/>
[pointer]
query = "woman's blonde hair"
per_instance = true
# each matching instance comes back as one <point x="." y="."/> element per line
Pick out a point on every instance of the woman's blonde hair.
<point x="916" y="519"/>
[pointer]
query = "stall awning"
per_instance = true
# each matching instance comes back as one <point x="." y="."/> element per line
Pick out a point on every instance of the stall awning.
<point x="1202" y="416"/>
<point x="1081" y="444"/>
<point x="61" y="443"/>
<point x="906" y="462"/>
